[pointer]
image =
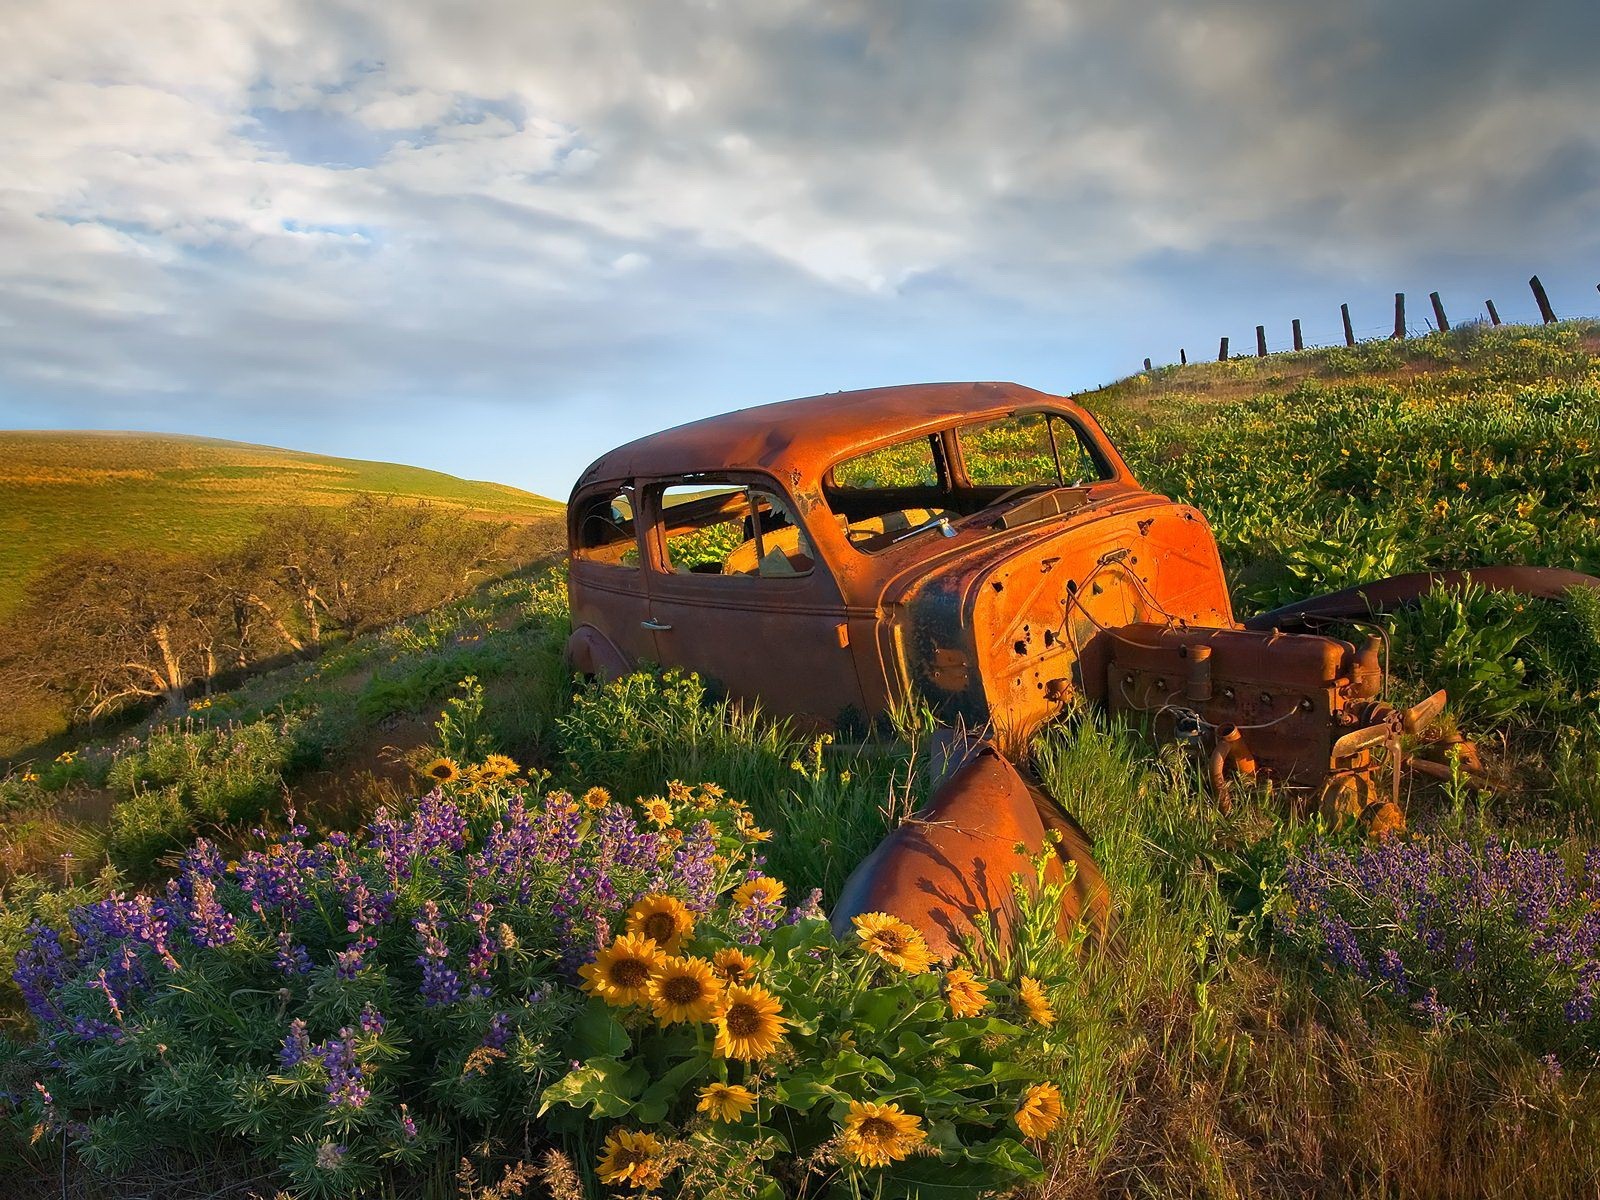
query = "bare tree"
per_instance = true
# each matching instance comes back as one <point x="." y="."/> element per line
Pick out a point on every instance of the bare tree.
<point x="363" y="565"/>
<point x="106" y="630"/>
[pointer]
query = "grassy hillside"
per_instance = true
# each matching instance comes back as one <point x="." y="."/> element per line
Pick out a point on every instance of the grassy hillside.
<point x="1286" y="1010"/>
<point x="60" y="491"/>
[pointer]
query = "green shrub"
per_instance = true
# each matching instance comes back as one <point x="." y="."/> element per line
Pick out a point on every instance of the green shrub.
<point x="148" y="825"/>
<point x="827" y="810"/>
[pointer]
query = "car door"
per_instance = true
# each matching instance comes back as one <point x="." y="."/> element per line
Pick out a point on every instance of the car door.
<point x="739" y="593"/>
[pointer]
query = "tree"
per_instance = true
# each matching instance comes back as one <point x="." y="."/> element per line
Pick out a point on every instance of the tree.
<point x="106" y="630"/>
<point x="371" y="562"/>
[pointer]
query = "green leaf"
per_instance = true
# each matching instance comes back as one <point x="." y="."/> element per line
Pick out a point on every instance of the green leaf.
<point x="605" y="1086"/>
<point x="658" y="1097"/>
<point x="598" y="1034"/>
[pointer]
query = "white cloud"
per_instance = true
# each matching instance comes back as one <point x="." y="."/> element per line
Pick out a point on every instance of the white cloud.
<point x="496" y="199"/>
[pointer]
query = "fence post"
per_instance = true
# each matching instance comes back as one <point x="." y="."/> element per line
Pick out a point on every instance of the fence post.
<point x="1438" y="312"/>
<point x="1545" y="311"/>
<point x="1399" y="316"/>
<point x="1349" y="331"/>
<point x="1261" y="341"/>
<point x="1147" y="364"/>
<point x="1494" y="317"/>
<point x="1183" y="357"/>
<point x="1222" y="351"/>
<point x="1299" y="342"/>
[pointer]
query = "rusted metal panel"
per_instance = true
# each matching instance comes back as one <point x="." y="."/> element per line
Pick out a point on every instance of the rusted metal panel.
<point x="1400" y="591"/>
<point x="957" y="858"/>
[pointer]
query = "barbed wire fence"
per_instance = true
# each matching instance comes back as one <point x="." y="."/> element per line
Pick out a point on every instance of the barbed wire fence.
<point x="1404" y="326"/>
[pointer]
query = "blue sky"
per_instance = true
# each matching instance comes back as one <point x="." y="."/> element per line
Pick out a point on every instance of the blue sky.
<point x="496" y="238"/>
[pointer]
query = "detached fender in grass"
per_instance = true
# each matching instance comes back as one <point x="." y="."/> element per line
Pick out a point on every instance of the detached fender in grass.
<point x="1401" y="591"/>
<point x="956" y="858"/>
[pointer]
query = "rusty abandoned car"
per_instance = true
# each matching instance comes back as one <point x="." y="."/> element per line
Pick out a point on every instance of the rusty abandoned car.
<point x="982" y="549"/>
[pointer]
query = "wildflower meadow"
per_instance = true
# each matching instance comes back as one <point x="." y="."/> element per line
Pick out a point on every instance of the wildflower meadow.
<point x="425" y="917"/>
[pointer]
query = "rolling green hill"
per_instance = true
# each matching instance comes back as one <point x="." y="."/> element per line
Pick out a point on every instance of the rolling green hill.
<point x="63" y="490"/>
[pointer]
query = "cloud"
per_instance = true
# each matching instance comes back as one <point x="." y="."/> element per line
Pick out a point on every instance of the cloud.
<point x="230" y="213"/>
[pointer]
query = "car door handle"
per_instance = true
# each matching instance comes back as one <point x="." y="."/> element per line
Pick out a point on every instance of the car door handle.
<point x="652" y="623"/>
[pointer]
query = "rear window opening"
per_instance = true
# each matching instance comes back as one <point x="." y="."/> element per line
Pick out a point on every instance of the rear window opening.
<point x="605" y="531"/>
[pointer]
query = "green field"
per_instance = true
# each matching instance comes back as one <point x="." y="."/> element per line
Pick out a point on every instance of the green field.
<point x="61" y="491"/>
<point x="1285" y="1009"/>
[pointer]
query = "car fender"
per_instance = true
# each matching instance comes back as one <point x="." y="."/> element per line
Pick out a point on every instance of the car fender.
<point x="590" y="652"/>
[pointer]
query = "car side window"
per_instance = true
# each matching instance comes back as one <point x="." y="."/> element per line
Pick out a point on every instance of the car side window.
<point x="606" y="530"/>
<point x="719" y="528"/>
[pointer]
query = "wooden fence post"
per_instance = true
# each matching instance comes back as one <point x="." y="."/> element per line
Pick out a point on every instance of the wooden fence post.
<point x="1299" y="342"/>
<point x="1545" y="311"/>
<point x="1349" y="331"/>
<point x="1222" y="351"/>
<point x="1399" y="316"/>
<point x="1494" y="317"/>
<point x="1183" y="357"/>
<point x="1438" y="312"/>
<point x="1261" y="341"/>
<point x="1147" y="364"/>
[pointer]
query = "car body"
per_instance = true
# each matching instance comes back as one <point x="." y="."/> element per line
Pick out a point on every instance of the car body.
<point x="1026" y="594"/>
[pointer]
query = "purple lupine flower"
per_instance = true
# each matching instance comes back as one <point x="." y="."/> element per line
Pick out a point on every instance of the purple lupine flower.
<point x="499" y="1031"/>
<point x="441" y="984"/>
<point x="488" y="945"/>
<point x="346" y="1086"/>
<point x="809" y="909"/>
<point x="210" y="924"/>
<point x="296" y="1045"/>
<point x="349" y="962"/>
<point x="41" y="968"/>
<point x="92" y="1029"/>
<point x="291" y="958"/>
<point x="279" y="879"/>
<point x="1495" y="932"/>
<point x="371" y="1021"/>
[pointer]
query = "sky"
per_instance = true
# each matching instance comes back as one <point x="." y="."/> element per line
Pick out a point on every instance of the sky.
<point x="498" y="237"/>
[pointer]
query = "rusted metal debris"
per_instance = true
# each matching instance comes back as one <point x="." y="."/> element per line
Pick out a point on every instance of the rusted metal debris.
<point x="983" y="549"/>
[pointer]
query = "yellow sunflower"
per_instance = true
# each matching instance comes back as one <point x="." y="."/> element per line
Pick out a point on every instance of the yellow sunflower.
<point x="758" y="891"/>
<point x="876" y="1135"/>
<point x="679" y="792"/>
<point x="748" y="1022"/>
<point x="657" y="811"/>
<point x="631" y="1159"/>
<point x="596" y="798"/>
<point x="500" y="766"/>
<point x="1040" y="1111"/>
<point x="663" y="919"/>
<point x="684" y="989"/>
<point x="1035" y="1001"/>
<point x="622" y="971"/>
<point x="965" y="994"/>
<point x="892" y="940"/>
<point x="726" y="1101"/>
<point x="443" y="770"/>
<point x="733" y="965"/>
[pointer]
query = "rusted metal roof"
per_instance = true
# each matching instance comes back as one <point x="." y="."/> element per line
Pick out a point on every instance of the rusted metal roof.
<point x="807" y="434"/>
